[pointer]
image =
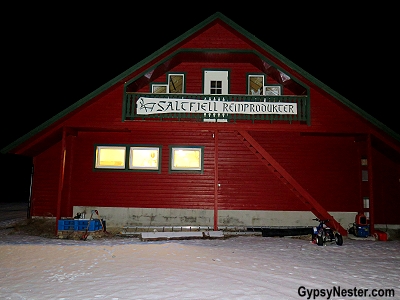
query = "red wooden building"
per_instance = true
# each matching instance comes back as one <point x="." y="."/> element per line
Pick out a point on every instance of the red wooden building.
<point x="215" y="129"/>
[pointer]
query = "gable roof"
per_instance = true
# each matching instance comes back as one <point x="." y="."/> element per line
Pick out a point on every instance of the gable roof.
<point x="9" y="148"/>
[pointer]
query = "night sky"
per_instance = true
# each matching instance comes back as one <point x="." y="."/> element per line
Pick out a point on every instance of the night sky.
<point x="56" y="56"/>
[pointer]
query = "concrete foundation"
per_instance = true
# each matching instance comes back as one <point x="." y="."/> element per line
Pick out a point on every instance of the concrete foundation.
<point x="129" y="216"/>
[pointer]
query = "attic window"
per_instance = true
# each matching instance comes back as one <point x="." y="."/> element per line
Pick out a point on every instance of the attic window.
<point x="175" y="83"/>
<point x="255" y="84"/>
<point x="272" y="90"/>
<point x="216" y="82"/>
<point x="364" y="175"/>
<point x="215" y="87"/>
<point x="159" y="88"/>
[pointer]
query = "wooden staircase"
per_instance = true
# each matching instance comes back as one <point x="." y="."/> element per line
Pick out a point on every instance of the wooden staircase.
<point x="289" y="181"/>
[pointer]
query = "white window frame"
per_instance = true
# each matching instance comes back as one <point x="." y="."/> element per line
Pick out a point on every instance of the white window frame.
<point x="250" y="91"/>
<point x="364" y="175"/>
<point x="175" y="149"/>
<point x="216" y="76"/>
<point x="99" y="165"/>
<point x="144" y="167"/>
<point x="277" y="90"/>
<point x="170" y="82"/>
<point x="156" y="85"/>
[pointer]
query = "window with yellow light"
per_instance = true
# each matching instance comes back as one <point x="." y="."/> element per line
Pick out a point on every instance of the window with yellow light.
<point x="110" y="157"/>
<point x="186" y="159"/>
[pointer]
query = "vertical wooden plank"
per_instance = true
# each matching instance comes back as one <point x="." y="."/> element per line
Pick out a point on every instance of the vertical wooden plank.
<point x="216" y="180"/>
<point x="370" y="185"/>
<point x="67" y="184"/>
<point x="61" y="178"/>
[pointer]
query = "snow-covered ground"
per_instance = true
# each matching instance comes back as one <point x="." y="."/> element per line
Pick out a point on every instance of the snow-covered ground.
<point x="240" y="267"/>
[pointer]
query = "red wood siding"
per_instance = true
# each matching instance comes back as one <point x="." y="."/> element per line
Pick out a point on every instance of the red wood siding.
<point x="327" y="114"/>
<point x="142" y="189"/>
<point x="218" y="36"/>
<point x="104" y="113"/>
<point x="248" y="184"/>
<point x="45" y="182"/>
<point x="327" y="167"/>
<point x="386" y="170"/>
<point x="245" y="183"/>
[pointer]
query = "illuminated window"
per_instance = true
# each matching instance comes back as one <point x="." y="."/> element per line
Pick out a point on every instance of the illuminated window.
<point x="255" y="84"/>
<point x="110" y="157"/>
<point x="186" y="158"/>
<point x="144" y="158"/>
